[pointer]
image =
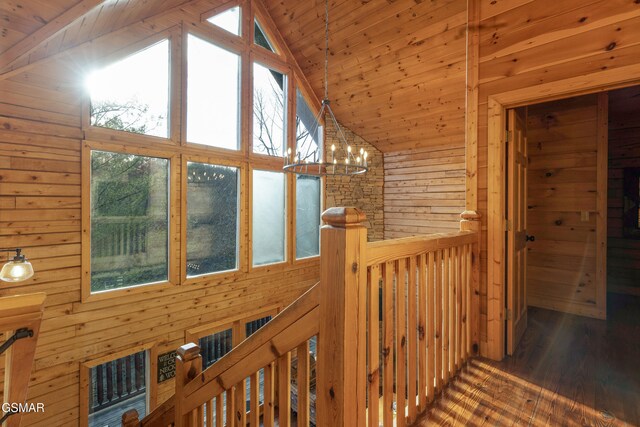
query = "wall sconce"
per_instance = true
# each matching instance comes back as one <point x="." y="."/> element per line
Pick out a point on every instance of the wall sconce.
<point x="17" y="269"/>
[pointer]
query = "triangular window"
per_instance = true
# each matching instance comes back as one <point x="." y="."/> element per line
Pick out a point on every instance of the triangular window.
<point x="228" y="20"/>
<point x="260" y="37"/>
<point x="132" y="95"/>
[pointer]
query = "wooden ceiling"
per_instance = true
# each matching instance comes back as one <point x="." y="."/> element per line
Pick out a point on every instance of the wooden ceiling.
<point x="396" y="68"/>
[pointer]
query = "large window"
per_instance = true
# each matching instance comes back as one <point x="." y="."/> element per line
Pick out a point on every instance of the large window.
<point x="269" y="111"/>
<point x="213" y="95"/>
<point x="228" y="20"/>
<point x="212" y="218"/>
<point x="308" y="205"/>
<point x="129" y="220"/>
<point x="133" y="94"/>
<point x="116" y="386"/>
<point x="269" y="219"/>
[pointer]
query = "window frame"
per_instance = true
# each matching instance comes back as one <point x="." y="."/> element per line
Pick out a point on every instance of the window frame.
<point x="205" y="16"/>
<point x="151" y="352"/>
<point x="235" y="47"/>
<point x="172" y="218"/>
<point x="274" y="64"/>
<point x="177" y="149"/>
<point x="173" y="36"/>
<point x="242" y="219"/>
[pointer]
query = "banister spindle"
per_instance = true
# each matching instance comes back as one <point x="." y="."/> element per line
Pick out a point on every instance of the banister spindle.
<point x="341" y="391"/>
<point x="471" y="222"/>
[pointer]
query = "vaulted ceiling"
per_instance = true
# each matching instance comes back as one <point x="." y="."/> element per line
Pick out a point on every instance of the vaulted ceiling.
<point x="396" y="67"/>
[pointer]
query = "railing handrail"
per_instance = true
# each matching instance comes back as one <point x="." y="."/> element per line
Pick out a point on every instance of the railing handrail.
<point x="17" y="312"/>
<point x="294" y="325"/>
<point x="393" y="249"/>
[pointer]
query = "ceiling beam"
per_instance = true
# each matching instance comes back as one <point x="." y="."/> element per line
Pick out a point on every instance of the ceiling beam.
<point x="26" y="46"/>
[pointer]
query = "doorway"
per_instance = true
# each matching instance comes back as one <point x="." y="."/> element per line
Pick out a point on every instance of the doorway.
<point x="572" y="206"/>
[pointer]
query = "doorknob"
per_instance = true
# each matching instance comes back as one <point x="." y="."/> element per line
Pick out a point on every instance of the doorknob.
<point x="531" y="238"/>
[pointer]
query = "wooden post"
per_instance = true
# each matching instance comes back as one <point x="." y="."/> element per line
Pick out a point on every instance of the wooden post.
<point x="471" y="222"/>
<point x="130" y="418"/>
<point x="341" y="391"/>
<point x="188" y="366"/>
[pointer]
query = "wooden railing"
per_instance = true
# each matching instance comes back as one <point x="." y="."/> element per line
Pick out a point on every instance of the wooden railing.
<point x="216" y="396"/>
<point x="20" y="315"/>
<point x="395" y="321"/>
<point x="116" y="381"/>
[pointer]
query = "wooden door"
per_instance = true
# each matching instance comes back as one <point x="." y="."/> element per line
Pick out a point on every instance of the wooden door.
<point x="516" y="227"/>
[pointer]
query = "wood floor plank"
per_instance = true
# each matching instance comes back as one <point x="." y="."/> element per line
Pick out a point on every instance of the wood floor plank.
<point x="568" y="371"/>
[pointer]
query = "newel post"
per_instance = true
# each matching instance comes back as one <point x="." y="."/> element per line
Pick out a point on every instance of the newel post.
<point x="471" y="222"/>
<point x="130" y="418"/>
<point x="342" y="376"/>
<point x="188" y="366"/>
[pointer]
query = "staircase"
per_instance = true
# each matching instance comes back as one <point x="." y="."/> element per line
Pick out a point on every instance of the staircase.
<point x="394" y="322"/>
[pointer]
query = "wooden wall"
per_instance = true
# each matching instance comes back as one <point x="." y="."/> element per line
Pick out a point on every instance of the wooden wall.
<point x="562" y="188"/>
<point x="40" y="210"/>
<point x="424" y="190"/>
<point x="623" y="261"/>
<point x="525" y="43"/>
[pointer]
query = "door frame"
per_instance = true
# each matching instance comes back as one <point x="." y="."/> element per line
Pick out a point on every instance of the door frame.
<point x="498" y="104"/>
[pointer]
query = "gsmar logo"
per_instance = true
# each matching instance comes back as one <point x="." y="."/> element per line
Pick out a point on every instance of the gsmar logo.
<point x="22" y="407"/>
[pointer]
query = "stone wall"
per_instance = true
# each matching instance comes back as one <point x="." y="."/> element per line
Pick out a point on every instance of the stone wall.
<point x="366" y="191"/>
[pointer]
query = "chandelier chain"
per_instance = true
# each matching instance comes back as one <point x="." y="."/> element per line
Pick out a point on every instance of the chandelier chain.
<point x="326" y="49"/>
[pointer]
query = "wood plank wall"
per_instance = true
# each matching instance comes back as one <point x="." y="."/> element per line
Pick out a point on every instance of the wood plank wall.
<point x="424" y="190"/>
<point x="40" y="211"/>
<point x="562" y="185"/>
<point x="525" y="43"/>
<point x="623" y="261"/>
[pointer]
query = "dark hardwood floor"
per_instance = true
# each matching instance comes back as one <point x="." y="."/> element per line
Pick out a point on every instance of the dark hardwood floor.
<point x="568" y="371"/>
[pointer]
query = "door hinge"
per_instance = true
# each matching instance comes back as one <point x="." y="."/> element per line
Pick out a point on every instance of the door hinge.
<point x="507" y="136"/>
<point x="509" y="314"/>
<point x="508" y="225"/>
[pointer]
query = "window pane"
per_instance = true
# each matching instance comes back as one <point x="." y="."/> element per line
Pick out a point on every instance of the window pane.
<point x="228" y="20"/>
<point x="133" y="94"/>
<point x="260" y="38"/>
<point x="129" y="220"/>
<point x="212" y="218"/>
<point x="308" y="131"/>
<point x="268" y="217"/>
<point x="307" y="216"/>
<point x="253" y="326"/>
<point x="214" y="346"/>
<point x="213" y="95"/>
<point x="269" y="100"/>
<point x="117" y="384"/>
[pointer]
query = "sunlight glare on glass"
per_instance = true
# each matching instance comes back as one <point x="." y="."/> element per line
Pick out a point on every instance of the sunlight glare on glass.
<point x="141" y="79"/>
<point x="228" y="20"/>
<point x="213" y="91"/>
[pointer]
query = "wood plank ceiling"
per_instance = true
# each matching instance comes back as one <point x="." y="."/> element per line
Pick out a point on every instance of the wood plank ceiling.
<point x="396" y="70"/>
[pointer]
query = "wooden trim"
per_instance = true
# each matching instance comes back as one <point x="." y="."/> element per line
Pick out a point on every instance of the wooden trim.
<point x="24" y="47"/>
<point x="471" y="145"/>
<point x="222" y="8"/>
<point x="596" y="82"/>
<point x="389" y="250"/>
<point x="173" y="246"/>
<point x="85" y="377"/>
<point x="193" y="334"/>
<point x="602" y="181"/>
<point x="495" y="232"/>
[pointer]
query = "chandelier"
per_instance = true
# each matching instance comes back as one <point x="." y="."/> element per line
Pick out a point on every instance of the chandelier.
<point x="344" y="159"/>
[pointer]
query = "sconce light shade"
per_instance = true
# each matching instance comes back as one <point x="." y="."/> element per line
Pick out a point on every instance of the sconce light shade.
<point x="16" y="270"/>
